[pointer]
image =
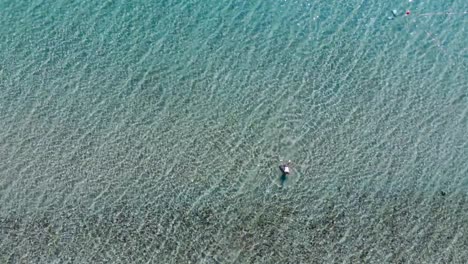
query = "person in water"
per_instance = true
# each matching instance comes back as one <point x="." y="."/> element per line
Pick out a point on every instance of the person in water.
<point x="285" y="168"/>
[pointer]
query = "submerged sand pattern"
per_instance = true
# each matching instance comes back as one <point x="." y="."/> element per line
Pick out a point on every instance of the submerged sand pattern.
<point x="152" y="132"/>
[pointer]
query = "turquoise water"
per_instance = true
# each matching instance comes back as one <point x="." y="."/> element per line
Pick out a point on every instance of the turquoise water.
<point x="152" y="131"/>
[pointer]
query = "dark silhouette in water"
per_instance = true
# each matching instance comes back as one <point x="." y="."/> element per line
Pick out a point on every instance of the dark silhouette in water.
<point x="285" y="169"/>
<point x="283" y="179"/>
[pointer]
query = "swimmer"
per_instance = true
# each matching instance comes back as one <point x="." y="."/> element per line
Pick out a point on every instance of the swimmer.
<point x="285" y="168"/>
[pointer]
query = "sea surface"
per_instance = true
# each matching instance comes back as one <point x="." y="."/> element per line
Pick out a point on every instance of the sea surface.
<point x="152" y="131"/>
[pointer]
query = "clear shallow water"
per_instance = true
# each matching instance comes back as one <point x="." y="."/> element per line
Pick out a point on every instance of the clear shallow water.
<point x="143" y="132"/>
